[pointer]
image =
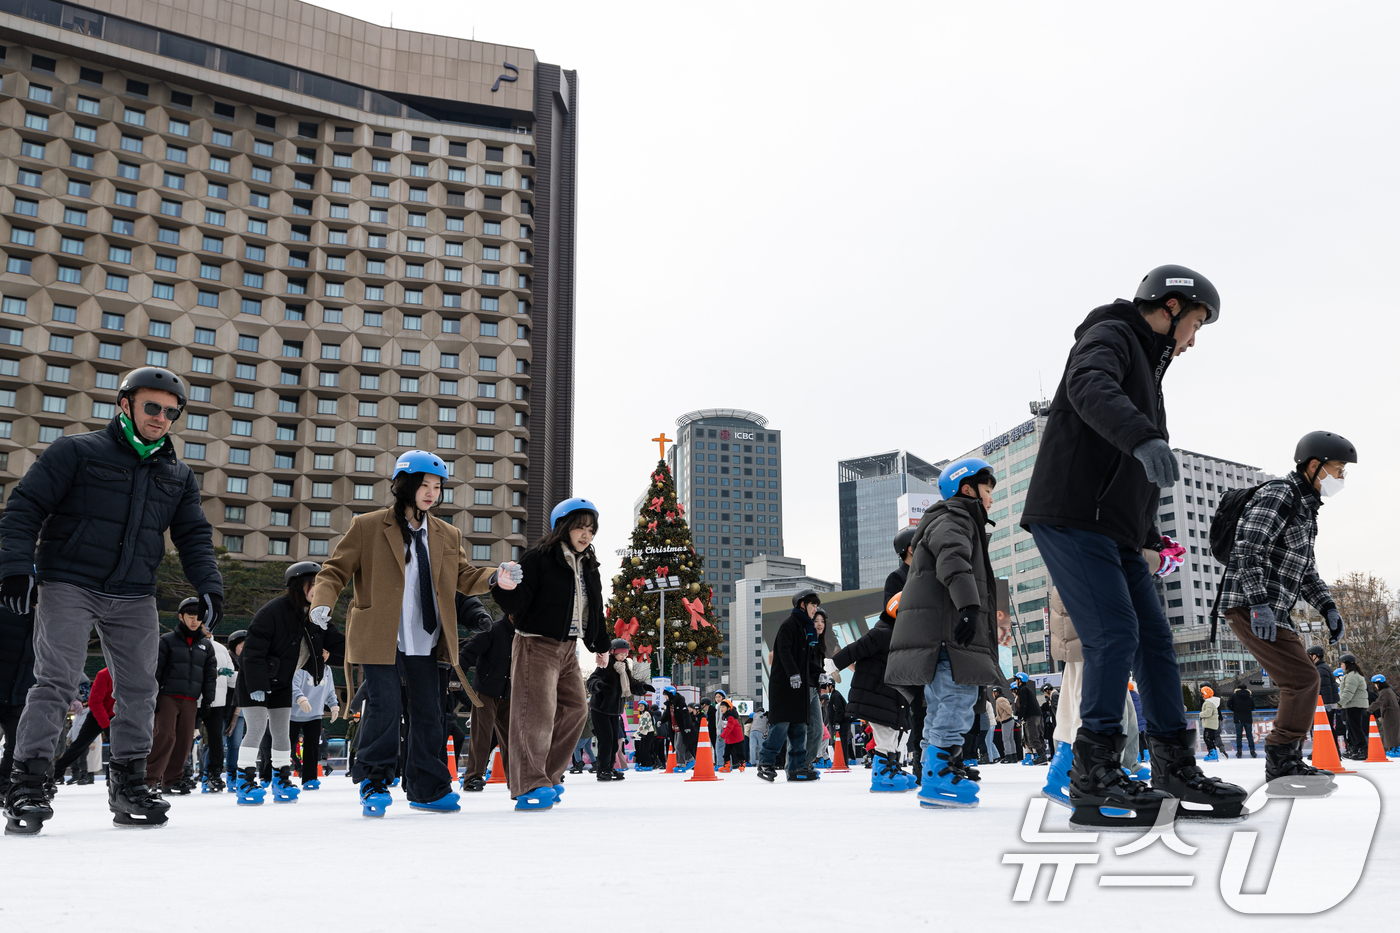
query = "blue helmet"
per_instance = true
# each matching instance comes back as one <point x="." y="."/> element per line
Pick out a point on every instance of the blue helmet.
<point x="1021" y="676"/>
<point x="1339" y="672"/>
<point x="420" y="461"/>
<point x="570" y="506"/>
<point x="1378" y="679"/>
<point x="962" y="471"/>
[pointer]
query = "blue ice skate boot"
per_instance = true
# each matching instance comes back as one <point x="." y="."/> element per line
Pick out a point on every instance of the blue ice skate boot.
<point x="247" y="789"/>
<point x="1057" y="780"/>
<point x="541" y="798"/>
<point x="1393" y="752"/>
<point x="558" y="793"/>
<point x="283" y="790"/>
<point x="1212" y="755"/>
<point x="374" y="794"/>
<point x="944" y="783"/>
<point x="447" y="803"/>
<point x="313" y="784"/>
<point x="1028" y="760"/>
<point x="395" y="781"/>
<point x="1141" y="774"/>
<point x="886" y="777"/>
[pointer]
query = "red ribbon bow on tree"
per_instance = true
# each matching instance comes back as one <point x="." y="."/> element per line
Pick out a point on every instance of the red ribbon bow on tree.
<point x="625" y="629"/>
<point x="663" y="571"/>
<point x="697" y="613"/>
<point x="680" y="508"/>
<point x="637" y="583"/>
<point x="651" y="526"/>
<point x="670" y="516"/>
<point x="644" y="652"/>
<point x="657" y="502"/>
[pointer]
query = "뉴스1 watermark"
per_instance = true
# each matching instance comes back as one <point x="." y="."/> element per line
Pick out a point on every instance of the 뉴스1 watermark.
<point x="1299" y="882"/>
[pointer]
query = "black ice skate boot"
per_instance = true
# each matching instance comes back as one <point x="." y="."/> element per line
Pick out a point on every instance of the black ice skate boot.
<point x="26" y="803"/>
<point x="1288" y="775"/>
<point x="133" y="803"/>
<point x="1175" y="772"/>
<point x="1100" y="794"/>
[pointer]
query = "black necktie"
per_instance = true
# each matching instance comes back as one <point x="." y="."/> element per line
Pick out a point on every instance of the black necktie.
<point x="425" y="582"/>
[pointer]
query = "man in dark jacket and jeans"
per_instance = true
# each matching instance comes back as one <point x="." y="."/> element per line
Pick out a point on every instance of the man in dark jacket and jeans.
<point x="1242" y="706"/>
<point x="1092" y="509"/>
<point x="84" y="534"/>
<point x="1327" y="689"/>
<point x="788" y="685"/>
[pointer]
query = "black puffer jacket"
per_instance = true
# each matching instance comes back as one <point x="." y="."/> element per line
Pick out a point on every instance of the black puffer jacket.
<point x="186" y="665"/>
<point x="99" y="514"/>
<point x="871" y="698"/>
<point x="1328" y="689"/>
<point x="543" y="602"/>
<point x="605" y="688"/>
<point x="1108" y="402"/>
<point x="793" y="646"/>
<point x="275" y="639"/>
<point x="489" y="653"/>
<point x="17" y="656"/>
<point x="950" y="572"/>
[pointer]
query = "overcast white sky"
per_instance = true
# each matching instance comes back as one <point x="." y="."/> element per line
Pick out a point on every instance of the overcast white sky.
<point x="880" y="223"/>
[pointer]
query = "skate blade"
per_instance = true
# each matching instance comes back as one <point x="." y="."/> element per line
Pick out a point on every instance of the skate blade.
<point x="129" y="823"/>
<point x="284" y="800"/>
<point x="1062" y="800"/>
<point x="1281" y="788"/>
<point x="946" y="804"/>
<point x="23" y="828"/>
<point x="890" y="790"/>
<point x="1112" y="819"/>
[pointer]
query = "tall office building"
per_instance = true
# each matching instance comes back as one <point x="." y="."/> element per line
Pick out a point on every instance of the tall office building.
<point x="868" y="489"/>
<point x="350" y="240"/>
<point x="764" y="577"/>
<point x="727" y="471"/>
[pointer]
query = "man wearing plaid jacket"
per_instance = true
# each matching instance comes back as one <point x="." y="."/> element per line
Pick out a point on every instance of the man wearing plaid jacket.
<point x="1271" y="566"/>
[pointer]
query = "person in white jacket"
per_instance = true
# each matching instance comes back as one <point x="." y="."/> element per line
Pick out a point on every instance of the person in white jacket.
<point x="213" y="719"/>
<point x="310" y="701"/>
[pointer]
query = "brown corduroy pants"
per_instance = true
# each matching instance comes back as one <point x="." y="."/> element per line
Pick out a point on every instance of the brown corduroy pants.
<point x="548" y="707"/>
<point x="1286" y="659"/>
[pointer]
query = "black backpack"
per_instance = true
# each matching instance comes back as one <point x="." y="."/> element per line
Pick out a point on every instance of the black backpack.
<point x="1222" y="531"/>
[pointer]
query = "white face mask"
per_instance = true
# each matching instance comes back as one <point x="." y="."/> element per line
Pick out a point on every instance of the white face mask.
<point x="1329" y="485"/>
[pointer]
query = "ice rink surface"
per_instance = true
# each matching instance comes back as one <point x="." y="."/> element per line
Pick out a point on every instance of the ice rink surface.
<point x="664" y="854"/>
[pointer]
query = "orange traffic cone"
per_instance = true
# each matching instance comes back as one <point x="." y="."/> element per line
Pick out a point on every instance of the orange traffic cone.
<point x="452" y="758"/>
<point x="838" y="758"/>
<point x="498" y="769"/>
<point x="1375" y="750"/>
<point x="704" y="760"/>
<point x="671" y="759"/>
<point x="320" y="770"/>
<point x="1324" y="748"/>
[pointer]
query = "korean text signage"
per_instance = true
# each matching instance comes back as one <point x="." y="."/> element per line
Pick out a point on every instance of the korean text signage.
<point x="1016" y="433"/>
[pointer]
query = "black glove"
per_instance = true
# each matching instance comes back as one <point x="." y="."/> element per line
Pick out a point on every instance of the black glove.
<point x="1159" y="462"/>
<point x="965" y="629"/>
<point x="213" y="609"/>
<point x="16" y="593"/>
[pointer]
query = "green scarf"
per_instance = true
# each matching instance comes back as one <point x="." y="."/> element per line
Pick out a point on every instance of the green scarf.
<point x="142" y="449"/>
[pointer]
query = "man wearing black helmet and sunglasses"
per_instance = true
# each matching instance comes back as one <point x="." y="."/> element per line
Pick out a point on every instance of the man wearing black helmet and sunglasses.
<point x="81" y="540"/>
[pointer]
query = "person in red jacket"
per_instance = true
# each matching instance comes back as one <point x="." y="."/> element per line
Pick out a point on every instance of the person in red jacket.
<point x="735" y="747"/>
<point x="100" y="703"/>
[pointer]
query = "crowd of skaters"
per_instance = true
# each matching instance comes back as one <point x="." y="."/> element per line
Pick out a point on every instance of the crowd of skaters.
<point x="85" y="532"/>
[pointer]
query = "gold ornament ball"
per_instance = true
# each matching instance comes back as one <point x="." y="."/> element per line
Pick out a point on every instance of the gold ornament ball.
<point x="695" y="587"/>
<point x="636" y="562"/>
<point x="690" y="646"/>
<point x="641" y="520"/>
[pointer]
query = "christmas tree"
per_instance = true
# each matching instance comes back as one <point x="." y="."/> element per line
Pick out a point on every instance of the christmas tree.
<point x="661" y="546"/>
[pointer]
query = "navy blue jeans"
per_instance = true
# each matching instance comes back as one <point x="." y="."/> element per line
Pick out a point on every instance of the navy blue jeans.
<point x="1113" y="602"/>
<point x="425" y="776"/>
<point x="780" y="732"/>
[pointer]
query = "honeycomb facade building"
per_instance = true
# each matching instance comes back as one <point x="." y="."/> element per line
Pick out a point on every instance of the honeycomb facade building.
<point x="350" y="240"/>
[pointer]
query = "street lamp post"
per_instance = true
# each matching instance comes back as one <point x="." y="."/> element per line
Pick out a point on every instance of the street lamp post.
<point x="661" y="586"/>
